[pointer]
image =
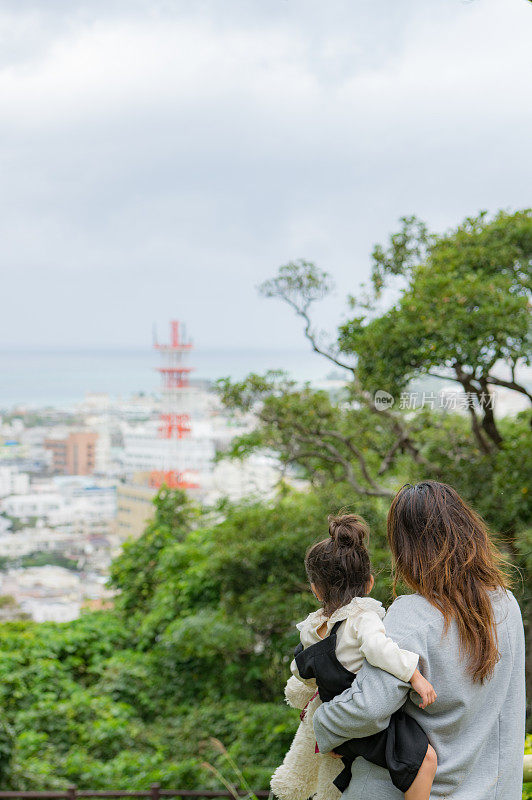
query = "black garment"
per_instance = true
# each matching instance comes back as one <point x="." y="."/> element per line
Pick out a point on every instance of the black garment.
<point x="400" y="748"/>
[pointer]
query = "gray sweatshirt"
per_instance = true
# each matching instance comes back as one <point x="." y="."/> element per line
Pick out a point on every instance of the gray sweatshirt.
<point x="476" y="729"/>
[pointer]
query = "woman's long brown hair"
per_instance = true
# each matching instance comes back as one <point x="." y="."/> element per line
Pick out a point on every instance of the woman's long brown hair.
<point x="443" y="551"/>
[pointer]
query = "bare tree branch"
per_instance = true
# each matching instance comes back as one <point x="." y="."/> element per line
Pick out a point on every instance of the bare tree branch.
<point x="387" y="461"/>
<point x="466" y="379"/>
<point x="516" y="387"/>
<point x="356" y="452"/>
<point x="303" y="313"/>
<point x="332" y="454"/>
<point x="486" y="402"/>
<point x="299" y="284"/>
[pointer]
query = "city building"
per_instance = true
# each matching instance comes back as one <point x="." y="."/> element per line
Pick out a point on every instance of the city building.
<point x="12" y="450"/>
<point x="134" y="507"/>
<point x="12" y="481"/>
<point x="145" y="450"/>
<point x="50" y="592"/>
<point x="73" y="453"/>
<point x="75" y="504"/>
<point x="47" y="506"/>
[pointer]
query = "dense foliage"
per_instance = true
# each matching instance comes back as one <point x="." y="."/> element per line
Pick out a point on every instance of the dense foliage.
<point x="198" y="646"/>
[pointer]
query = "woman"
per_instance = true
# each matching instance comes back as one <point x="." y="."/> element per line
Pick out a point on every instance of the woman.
<point x="467" y="628"/>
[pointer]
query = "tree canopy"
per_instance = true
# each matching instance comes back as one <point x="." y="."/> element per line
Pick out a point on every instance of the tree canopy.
<point x="464" y="309"/>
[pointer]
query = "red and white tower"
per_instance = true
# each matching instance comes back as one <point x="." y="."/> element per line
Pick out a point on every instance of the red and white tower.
<point x="174" y="421"/>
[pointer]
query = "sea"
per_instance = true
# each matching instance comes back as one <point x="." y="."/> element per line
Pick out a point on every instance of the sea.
<point x="58" y="377"/>
<point x="61" y="378"/>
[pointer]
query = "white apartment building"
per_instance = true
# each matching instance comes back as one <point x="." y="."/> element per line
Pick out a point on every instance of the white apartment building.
<point x="32" y="540"/>
<point x="51" y="593"/>
<point x="13" y="482"/>
<point x="69" y="500"/>
<point x="48" y="506"/>
<point x="145" y="450"/>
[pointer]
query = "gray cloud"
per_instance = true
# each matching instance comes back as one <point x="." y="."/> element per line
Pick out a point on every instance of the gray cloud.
<point x="160" y="159"/>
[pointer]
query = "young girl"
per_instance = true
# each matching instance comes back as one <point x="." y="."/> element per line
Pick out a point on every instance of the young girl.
<point x="334" y="642"/>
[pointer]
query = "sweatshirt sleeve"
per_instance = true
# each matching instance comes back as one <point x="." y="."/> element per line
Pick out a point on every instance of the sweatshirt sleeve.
<point x="381" y="651"/>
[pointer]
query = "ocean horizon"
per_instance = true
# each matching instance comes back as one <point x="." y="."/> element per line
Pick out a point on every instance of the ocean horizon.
<point x="54" y="376"/>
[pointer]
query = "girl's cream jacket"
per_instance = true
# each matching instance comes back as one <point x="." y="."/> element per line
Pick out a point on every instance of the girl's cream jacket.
<point x="305" y="773"/>
<point x="361" y="636"/>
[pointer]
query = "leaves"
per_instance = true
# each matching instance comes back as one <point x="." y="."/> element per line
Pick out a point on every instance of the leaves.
<point x="464" y="309"/>
<point x="299" y="283"/>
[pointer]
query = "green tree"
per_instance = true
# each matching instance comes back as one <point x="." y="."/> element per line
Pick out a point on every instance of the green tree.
<point x="350" y="440"/>
<point x="134" y="572"/>
<point x="464" y="309"/>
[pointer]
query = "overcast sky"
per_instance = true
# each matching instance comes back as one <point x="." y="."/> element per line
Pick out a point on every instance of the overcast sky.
<point x="160" y="159"/>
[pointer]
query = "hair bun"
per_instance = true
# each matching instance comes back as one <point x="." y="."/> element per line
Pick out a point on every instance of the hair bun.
<point x="348" y="530"/>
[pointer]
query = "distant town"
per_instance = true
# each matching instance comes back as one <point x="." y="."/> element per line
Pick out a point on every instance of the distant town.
<point x="75" y="485"/>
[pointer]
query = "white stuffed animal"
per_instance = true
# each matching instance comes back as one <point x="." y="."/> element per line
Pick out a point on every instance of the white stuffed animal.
<point x="305" y="773"/>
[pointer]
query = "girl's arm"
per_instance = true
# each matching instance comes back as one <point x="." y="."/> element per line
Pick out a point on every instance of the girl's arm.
<point x="381" y="651"/>
<point x="424" y="688"/>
